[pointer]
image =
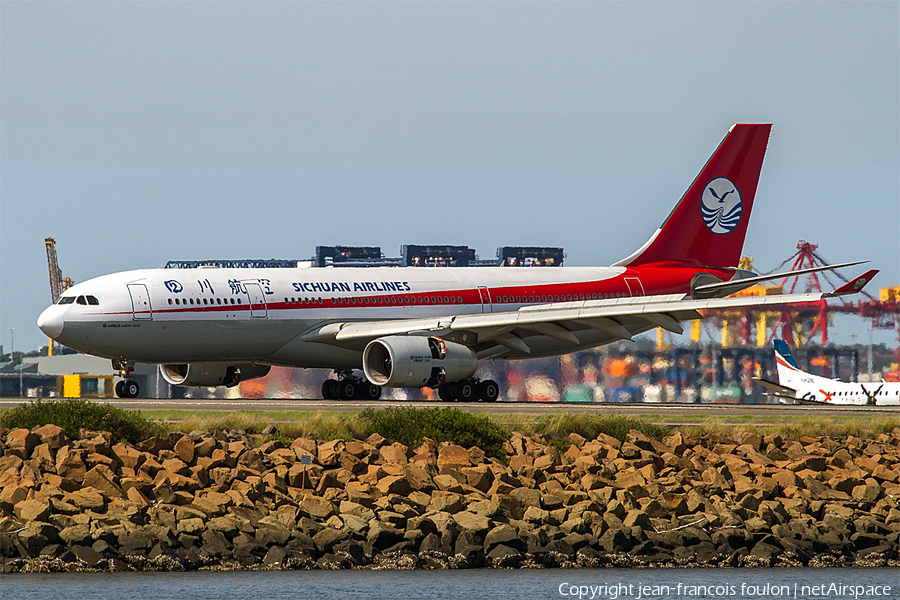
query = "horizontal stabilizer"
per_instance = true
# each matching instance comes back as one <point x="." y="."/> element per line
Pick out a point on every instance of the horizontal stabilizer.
<point x="724" y="288"/>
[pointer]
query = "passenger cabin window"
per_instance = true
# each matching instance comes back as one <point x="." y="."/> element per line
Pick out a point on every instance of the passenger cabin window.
<point x="67" y="300"/>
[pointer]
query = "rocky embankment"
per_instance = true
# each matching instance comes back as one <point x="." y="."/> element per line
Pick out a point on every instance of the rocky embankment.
<point x="215" y="501"/>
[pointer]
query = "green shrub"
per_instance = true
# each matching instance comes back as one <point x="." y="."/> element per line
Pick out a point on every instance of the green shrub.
<point x="72" y="414"/>
<point x="410" y="425"/>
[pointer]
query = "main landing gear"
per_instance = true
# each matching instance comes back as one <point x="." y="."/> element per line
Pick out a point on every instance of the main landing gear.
<point x="352" y="387"/>
<point x="469" y="390"/>
<point x="349" y="387"/>
<point x="128" y="387"/>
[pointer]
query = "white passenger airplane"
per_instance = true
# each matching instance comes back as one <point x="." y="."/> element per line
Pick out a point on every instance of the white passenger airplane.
<point x="799" y="387"/>
<point x="415" y="326"/>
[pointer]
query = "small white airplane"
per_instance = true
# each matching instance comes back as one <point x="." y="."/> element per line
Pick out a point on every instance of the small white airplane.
<point x="418" y="327"/>
<point x="799" y="387"/>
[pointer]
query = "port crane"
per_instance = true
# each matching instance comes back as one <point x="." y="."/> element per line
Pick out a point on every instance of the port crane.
<point x="58" y="283"/>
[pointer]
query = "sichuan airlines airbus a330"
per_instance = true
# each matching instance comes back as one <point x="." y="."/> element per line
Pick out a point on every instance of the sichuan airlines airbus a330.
<point x="417" y="327"/>
<point x="799" y="387"/>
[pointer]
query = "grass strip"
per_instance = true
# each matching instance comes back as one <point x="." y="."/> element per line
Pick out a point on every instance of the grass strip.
<point x="793" y="428"/>
<point x="410" y="425"/>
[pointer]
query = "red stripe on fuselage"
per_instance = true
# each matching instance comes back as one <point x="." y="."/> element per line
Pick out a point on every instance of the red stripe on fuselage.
<point x="653" y="281"/>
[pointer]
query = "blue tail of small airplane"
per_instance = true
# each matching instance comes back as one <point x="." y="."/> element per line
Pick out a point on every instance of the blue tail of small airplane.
<point x="782" y="348"/>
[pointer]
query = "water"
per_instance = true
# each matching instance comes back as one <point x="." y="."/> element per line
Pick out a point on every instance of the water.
<point x="558" y="584"/>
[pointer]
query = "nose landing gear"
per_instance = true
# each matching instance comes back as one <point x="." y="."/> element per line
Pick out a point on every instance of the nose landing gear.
<point x="128" y="387"/>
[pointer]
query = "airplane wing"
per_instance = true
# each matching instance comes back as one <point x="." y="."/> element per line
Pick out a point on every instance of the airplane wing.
<point x="784" y="394"/>
<point x="619" y="318"/>
<point x="780" y="390"/>
<point x="787" y="399"/>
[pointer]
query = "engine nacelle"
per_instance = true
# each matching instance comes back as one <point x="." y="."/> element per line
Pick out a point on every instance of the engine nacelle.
<point x="416" y="361"/>
<point x="210" y="374"/>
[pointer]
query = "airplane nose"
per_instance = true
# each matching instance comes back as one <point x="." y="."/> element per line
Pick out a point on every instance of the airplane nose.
<point x="51" y="321"/>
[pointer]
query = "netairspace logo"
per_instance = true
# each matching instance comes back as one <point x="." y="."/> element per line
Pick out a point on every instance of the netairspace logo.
<point x="768" y="591"/>
<point x="720" y="206"/>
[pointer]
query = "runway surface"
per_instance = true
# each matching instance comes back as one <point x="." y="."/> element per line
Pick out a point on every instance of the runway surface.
<point x="763" y="412"/>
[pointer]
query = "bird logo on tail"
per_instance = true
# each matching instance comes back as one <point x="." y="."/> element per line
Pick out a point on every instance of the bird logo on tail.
<point x="720" y="206"/>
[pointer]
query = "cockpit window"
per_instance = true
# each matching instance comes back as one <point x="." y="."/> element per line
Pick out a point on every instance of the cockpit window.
<point x="67" y="300"/>
<point x="81" y="300"/>
<point x="92" y="300"/>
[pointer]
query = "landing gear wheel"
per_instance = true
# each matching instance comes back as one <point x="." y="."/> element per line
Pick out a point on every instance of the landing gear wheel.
<point x="127" y="387"/>
<point x="348" y="386"/>
<point x="131" y="388"/>
<point x="347" y="389"/>
<point x="329" y="389"/>
<point x="444" y="393"/>
<point x="488" y="390"/>
<point x="464" y="390"/>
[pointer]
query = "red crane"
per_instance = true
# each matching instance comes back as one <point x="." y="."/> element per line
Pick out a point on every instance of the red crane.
<point x="812" y="317"/>
<point x="884" y="313"/>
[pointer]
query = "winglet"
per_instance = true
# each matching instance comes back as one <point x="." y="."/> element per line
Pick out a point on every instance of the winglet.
<point x="855" y="285"/>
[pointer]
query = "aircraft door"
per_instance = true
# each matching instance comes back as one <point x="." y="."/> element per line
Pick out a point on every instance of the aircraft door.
<point x="635" y="288"/>
<point x="257" y="300"/>
<point x="486" y="305"/>
<point x="140" y="302"/>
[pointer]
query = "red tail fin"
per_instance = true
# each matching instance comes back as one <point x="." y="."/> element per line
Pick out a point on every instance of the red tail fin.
<point x="708" y="225"/>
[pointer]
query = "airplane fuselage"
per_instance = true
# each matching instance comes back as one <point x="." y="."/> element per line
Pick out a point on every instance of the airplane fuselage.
<point x="799" y="385"/>
<point x="832" y="391"/>
<point x="264" y="315"/>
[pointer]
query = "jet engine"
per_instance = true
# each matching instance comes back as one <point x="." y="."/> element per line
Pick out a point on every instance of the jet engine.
<point x="416" y="361"/>
<point x="210" y="374"/>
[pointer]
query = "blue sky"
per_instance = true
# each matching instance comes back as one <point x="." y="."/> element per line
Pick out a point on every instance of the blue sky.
<point x="135" y="133"/>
